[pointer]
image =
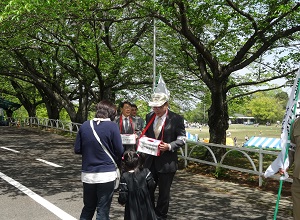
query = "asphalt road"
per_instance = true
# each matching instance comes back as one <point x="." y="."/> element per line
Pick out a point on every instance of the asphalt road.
<point x="40" y="180"/>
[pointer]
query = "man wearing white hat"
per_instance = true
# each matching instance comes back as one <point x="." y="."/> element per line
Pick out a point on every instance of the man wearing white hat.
<point x="168" y="127"/>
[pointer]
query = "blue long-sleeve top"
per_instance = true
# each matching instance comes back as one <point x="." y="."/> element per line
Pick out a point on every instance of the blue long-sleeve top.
<point x="94" y="158"/>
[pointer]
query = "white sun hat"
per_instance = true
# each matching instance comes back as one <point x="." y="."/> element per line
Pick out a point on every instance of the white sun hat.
<point x="158" y="99"/>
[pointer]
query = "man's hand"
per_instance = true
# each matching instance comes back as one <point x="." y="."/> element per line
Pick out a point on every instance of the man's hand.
<point x="281" y="171"/>
<point x="164" y="146"/>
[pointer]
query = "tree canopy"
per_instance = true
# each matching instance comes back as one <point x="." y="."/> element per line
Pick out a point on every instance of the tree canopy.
<point x="75" y="53"/>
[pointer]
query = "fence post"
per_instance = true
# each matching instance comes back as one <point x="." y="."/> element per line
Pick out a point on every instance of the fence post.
<point x="260" y="169"/>
<point x="185" y="154"/>
<point x="70" y="128"/>
<point x="57" y="125"/>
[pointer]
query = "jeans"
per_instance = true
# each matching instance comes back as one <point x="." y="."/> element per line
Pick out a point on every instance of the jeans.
<point x="97" y="196"/>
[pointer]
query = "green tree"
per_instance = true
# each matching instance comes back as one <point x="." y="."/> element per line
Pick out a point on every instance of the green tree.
<point x="78" y="57"/>
<point x="265" y="109"/>
<point x="222" y="38"/>
<point x="74" y="57"/>
<point x="198" y="114"/>
<point x="282" y="98"/>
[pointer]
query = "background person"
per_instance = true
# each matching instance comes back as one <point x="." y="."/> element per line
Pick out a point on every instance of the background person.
<point x="135" y="187"/>
<point x="98" y="170"/>
<point x="294" y="158"/>
<point x="169" y="128"/>
<point x="138" y="120"/>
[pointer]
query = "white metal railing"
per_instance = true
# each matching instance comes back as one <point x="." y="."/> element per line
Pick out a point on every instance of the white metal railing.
<point x="185" y="153"/>
<point x="257" y="168"/>
<point x="66" y="126"/>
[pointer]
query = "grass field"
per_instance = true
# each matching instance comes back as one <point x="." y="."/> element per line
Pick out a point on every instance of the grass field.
<point x="240" y="131"/>
<point x="238" y="160"/>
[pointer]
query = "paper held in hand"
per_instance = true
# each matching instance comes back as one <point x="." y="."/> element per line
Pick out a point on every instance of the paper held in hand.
<point x="128" y="138"/>
<point x="149" y="146"/>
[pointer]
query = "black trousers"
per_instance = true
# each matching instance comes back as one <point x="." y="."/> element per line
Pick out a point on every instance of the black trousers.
<point x="164" y="182"/>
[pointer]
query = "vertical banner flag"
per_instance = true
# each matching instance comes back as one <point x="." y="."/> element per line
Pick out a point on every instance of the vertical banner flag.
<point x="292" y="112"/>
<point x="161" y="87"/>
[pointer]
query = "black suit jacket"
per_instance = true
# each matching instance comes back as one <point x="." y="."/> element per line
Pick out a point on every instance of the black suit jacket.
<point x="131" y="130"/>
<point x="174" y="127"/>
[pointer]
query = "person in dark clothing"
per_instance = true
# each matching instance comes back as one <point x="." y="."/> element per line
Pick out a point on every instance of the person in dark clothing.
<point x="140" y="123"/>
<point x="168" y="127"/>
<point x="135" y="187"/>
<point x="127" y="126"/>
<point x="98" y="170"/>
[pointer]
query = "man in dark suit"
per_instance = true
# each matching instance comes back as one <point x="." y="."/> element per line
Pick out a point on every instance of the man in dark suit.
<point x="138" y="120"/>
<point x="126" y="125"/>
<point x="168" y="127"/>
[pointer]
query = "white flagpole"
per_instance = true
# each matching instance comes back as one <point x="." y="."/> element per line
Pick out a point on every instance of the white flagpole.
<point x="154" y="54"/>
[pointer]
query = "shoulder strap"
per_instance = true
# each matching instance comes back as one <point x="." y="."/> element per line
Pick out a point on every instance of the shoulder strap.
<point x="98" y="139"/>
<point x="148" y="125"/>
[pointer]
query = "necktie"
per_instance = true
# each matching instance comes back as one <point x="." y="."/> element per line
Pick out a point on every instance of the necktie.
<point x="126" y="124"/>
<point x="158" y="127"/>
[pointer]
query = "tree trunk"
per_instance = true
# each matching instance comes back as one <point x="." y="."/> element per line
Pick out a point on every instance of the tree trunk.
<point x="52" y="110"/>
<point x="108" y="94"/>
<point x="218" y="119"/>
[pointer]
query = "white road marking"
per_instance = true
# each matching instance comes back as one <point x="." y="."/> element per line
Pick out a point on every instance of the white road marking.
<point x="41" y="160"/>
<point x="49" y="163"/>
<point x="52" y="208"/>
<point x="6" y="148"/>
